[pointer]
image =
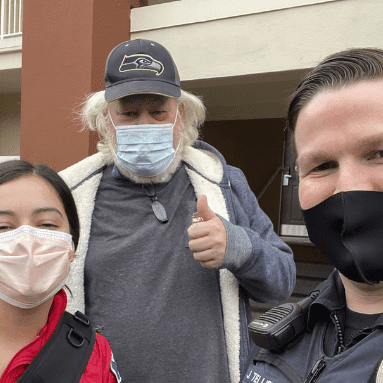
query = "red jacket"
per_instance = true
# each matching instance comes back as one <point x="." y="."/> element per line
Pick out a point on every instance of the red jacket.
<point x="98" y="369"/>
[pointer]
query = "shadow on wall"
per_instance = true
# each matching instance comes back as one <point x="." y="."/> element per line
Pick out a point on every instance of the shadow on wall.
<point x="10" y="124"/>
<point x="256" y="147"/>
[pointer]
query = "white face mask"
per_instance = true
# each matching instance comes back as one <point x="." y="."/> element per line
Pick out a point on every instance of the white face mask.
<point x="145" y="150"/>
<point x="34" y="265"/>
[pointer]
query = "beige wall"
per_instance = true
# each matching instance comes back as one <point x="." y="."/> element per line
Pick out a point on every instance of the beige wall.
<point x="10" y="124"/>
<point x="259" y="42"/>
<point x="10" y="53"/>
<point x="247" y="60"/>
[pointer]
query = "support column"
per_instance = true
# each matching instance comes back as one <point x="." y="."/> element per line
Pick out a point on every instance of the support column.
<point x="65" y="46"/>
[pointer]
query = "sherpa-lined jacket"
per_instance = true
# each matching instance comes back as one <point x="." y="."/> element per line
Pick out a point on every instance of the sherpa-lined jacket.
<point x="258" y="264"/>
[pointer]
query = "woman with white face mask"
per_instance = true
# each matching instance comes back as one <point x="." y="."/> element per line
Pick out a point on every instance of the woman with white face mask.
<point x="39" y="233"/>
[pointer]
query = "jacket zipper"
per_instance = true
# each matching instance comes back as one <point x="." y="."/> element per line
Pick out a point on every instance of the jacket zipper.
<point x="318" y="368"/>
<point x="341" y="346"/>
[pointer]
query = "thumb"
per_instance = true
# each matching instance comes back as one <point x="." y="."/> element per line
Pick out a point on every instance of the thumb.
<point x="203" y="208"/>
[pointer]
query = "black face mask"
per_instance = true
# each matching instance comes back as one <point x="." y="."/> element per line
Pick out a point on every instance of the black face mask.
<point x="348" y="229"/>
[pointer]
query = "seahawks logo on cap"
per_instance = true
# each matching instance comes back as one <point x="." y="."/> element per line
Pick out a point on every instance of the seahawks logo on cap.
<point x="141" y="62"/>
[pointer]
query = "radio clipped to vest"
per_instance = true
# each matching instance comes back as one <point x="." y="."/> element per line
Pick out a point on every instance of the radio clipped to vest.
<point x="282" y="326"/>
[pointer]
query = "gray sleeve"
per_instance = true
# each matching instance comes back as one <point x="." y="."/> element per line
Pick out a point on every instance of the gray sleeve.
<point x="262" y="262"/>
<point x="238" y="246"/>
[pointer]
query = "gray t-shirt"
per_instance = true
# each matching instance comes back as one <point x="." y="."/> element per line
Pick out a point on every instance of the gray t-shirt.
<point x="159" y="309"/>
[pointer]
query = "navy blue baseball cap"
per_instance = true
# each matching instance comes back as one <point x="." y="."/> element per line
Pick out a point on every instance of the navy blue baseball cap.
<point x="140" y="66"/>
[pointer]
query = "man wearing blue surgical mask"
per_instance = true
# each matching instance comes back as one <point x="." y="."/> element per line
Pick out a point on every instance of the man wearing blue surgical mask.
<point x="147" y="129"/>
<point x="171" y="295"/>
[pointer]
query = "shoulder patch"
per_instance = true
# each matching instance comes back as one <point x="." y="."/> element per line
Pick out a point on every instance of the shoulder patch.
<point x="254" y="377"/>
<point x="114" y="369"/>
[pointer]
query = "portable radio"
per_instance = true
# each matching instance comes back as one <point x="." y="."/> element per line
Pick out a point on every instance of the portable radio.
<point x="280" y="327"/>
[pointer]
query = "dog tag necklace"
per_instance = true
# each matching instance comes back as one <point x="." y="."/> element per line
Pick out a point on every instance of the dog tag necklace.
<point x="158" y="209"/>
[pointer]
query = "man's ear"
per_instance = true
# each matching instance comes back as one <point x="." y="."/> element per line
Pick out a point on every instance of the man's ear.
<point x="181" y="113"/>
<point x="106" y="112"/>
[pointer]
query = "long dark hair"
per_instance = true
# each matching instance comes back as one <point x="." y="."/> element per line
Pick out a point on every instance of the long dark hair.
<point x="14" y="169"/>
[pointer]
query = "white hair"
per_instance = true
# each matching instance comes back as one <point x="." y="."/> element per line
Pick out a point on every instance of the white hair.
<point x="94" y="116"/>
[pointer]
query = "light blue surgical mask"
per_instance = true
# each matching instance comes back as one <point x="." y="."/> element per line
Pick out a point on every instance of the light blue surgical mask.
<point x="145" y="150"/>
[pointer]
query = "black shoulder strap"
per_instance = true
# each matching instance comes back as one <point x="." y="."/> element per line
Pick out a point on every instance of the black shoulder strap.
<point x="64" y="357"/>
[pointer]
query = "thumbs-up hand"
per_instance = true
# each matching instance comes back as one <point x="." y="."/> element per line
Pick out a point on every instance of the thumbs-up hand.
<point x="208" y="237"/>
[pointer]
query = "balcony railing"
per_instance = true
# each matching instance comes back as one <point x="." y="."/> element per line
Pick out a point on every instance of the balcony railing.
<point x="11" y="18"/>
